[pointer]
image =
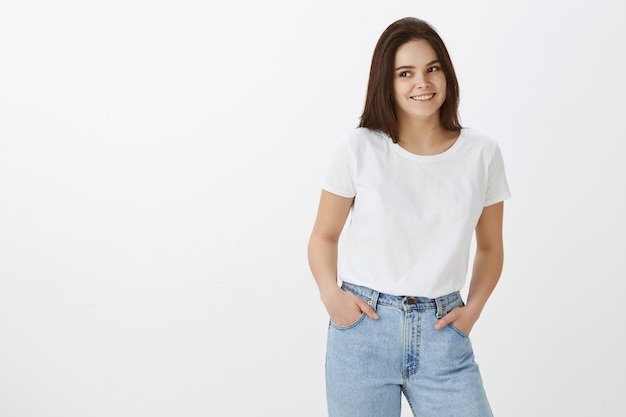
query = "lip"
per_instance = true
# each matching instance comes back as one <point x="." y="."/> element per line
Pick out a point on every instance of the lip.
<point x="423" y="97"/>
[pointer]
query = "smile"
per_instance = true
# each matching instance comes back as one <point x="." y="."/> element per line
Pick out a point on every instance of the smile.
<point x="423" y="97"/>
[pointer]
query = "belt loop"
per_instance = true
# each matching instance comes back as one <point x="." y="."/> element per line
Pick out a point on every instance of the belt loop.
<point x="440" y="307"/>
<point x="374" y="301"/>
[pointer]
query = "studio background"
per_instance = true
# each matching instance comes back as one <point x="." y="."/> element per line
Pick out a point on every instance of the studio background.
<point x="159" y="178"/>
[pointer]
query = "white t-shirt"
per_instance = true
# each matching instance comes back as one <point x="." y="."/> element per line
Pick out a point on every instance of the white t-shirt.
<point x="414" y="216"/>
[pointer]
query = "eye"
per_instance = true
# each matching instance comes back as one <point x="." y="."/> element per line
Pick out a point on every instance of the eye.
<point x="434" y="69"/>
<point x="404" y="74"/>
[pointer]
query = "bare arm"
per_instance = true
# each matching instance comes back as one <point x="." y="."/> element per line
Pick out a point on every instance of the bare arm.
<point x="486" y="271"/>
<point x="343" y="307"/>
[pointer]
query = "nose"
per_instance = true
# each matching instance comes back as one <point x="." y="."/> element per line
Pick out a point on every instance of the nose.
<point x="419" y="80"/>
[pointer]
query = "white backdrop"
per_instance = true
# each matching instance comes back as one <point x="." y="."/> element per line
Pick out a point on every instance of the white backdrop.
<point x="159" y="177"/>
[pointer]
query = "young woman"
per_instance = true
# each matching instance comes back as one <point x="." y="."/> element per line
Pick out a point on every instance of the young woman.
<point x="417" y="187"/>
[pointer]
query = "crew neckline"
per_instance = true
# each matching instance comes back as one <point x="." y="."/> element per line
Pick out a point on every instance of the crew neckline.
<point x="410" y="155"/>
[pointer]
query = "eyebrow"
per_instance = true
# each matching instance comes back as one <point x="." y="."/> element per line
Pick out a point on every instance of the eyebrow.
<point x="403" y="67"/>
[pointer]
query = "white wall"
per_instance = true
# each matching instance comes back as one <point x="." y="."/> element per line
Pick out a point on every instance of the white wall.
<point x="159" y="171"/>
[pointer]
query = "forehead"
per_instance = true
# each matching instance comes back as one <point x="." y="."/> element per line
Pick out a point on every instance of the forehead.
<point x="415" y="53"/>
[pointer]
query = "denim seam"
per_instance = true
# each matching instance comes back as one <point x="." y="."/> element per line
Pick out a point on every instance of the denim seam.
<point x="408" y="400"/>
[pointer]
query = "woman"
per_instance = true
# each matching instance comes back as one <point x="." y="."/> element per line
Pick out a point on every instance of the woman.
<point x="417" y="187"/>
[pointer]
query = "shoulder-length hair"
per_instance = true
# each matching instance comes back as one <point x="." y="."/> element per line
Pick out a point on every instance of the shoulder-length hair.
<point x="379" y="112"/>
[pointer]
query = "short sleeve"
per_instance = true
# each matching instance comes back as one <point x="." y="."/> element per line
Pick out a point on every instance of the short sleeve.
<point x="497" y="185"/>
<point x="340" y="175"/>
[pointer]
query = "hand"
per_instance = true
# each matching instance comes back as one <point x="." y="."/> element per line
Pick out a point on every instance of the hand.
<point x="345" y="308"/>
<point x="463" y="318"/>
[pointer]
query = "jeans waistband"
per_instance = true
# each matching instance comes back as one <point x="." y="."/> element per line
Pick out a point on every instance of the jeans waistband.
<point x="443" y="304"/>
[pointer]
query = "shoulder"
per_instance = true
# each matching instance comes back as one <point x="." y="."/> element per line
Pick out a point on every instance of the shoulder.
<point x="364" y="134"/>
<point x="478" y="141"/>
<point x="477" y="138"/>
<point x="362" y="138"/>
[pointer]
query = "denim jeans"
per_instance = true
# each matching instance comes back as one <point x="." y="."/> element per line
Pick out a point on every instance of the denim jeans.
<point x="370" y="363"/>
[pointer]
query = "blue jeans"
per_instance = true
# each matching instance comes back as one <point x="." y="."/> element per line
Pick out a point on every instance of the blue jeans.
<point x="370" y="363"/>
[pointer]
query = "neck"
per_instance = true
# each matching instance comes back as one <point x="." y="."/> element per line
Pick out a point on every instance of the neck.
<point x="425" y="136"/>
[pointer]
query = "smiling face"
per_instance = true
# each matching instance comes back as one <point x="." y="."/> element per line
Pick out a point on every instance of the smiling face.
<point x="419" y="84"/>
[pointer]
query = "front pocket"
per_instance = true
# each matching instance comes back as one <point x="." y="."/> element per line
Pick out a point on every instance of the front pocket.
<point x="348" y="326"/>
<point x="460" y="333"/>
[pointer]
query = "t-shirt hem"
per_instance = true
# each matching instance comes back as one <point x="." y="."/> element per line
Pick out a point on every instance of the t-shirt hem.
<point x="336" y="191"/>
<point x="497" y="199"/>
<point x="432" y="293"/>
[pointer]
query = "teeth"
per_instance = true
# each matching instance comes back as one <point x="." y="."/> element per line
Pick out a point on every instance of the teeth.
<point x="423" y="97"/>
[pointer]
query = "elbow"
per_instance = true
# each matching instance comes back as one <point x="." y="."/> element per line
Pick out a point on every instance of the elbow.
<point x="493" y="250"/>
<point x="318" y="240"/>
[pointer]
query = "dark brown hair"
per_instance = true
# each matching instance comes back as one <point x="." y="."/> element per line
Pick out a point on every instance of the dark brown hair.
<point x="379" y="112"/>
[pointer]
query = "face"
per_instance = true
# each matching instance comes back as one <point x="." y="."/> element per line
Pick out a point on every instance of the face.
<point x="419" y="84"/>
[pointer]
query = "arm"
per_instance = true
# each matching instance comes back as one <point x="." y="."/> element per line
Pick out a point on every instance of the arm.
<point x="343" y="307"/>
<point x="486" y="272"/>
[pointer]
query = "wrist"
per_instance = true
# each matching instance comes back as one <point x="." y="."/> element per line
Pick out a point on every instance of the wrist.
<point x="328" y="290"/>
<point x="475" y="309"/>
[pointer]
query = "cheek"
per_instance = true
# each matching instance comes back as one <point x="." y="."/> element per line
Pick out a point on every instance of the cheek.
<point x="443" y="85"/>
<point x="443" y="88"/>
<point x="398" y="88"/>
<point x="395" y="87"/>
<point x="444" y="94"/>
